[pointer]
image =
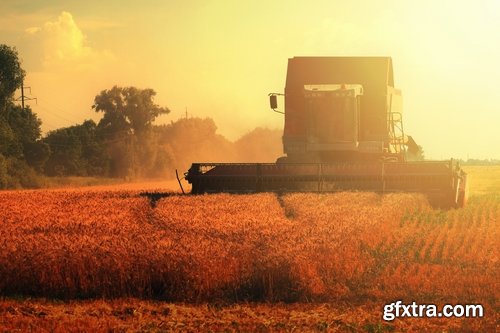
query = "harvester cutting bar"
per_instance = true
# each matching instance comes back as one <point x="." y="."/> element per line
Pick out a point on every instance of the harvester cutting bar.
<point x="443" y="182"/>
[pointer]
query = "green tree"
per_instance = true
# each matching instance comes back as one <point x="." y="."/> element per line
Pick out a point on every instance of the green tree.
<point x="11" y="78"/>
<point x="20" y="145"/>
<point x="11" y="74"/>
<point x="76" y="151"/>
<point x="126" y="125"/>
<point x="24" y="129"/>
<point x="127" y="110"/>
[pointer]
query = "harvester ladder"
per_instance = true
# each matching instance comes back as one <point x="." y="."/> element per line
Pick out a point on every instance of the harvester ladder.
<point x="396" y="132"/>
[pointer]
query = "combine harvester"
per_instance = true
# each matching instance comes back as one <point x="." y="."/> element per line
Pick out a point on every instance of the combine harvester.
<point x="343" y="132"/>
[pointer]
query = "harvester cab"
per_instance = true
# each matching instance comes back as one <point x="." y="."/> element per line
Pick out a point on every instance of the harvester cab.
<point x="343" y="131"/>
<point x="342" y="109"/>
<point x="333" y="114"/>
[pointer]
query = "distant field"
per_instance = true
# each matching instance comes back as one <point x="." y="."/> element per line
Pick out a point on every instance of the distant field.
<point x="483" y="179"/>
<point x="336" y="258"/>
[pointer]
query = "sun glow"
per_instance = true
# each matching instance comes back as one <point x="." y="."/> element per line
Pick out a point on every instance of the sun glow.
<point x="221" y="59"/>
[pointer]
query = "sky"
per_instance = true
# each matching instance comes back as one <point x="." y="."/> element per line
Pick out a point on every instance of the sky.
<point x="220" y="59"/>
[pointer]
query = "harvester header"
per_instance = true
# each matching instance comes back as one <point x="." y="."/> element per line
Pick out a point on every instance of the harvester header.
<point x="343" y="131"/>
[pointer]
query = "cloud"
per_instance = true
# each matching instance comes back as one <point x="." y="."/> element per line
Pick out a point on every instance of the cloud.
<point x="63" y="44"/>
<point x="65" y="69"/>
<point x="32" y="30"/>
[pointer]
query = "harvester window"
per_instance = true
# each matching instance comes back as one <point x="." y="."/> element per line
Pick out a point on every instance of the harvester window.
<point x="332" y="118"/>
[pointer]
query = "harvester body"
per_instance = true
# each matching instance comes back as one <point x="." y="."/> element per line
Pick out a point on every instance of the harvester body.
<point x="342" y="109"/>
<point x="343" y="132"/>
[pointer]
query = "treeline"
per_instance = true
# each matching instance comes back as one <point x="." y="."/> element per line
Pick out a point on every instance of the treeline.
<point x="88" y="150"/>
<point x="20" y="145"/>
<point x="123" y="144"/>
<point x="472" y="161"/>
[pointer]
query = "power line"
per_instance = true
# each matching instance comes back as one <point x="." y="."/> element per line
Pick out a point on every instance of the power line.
<point x="71" y="145"/>
<point x="52" y="128"/>
<point x="55" y="113"/>
<point x="24" y="98"/>
<point x="75" y="123"/>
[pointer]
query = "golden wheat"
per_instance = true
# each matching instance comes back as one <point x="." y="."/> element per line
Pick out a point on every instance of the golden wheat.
<point x="103" y="243"/>
<point x="359" y="248"/>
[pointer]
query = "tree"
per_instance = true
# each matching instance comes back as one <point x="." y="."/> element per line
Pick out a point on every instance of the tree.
<point x="259" y="145"/>
<point x="127" y="110"/>
<point x="416" y="155"/>
<point x="11" y="78"/>
<point x="26" y="140"/>
<point x="126" y="128"/>
<point x="76" y="151"/>
<point x="20" y="146"/>
<point x="11" y="74"/>
<point x="194" y="139"/>
<point x="24" y="123"/>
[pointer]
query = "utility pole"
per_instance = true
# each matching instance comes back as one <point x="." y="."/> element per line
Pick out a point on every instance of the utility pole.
<point x="24" y="98"/>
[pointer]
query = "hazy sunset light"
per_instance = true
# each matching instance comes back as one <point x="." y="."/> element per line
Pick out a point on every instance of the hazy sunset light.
<point x="220" y="59"/>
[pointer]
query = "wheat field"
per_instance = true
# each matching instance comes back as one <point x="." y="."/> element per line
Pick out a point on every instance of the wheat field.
<point x="263" y="262"/>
